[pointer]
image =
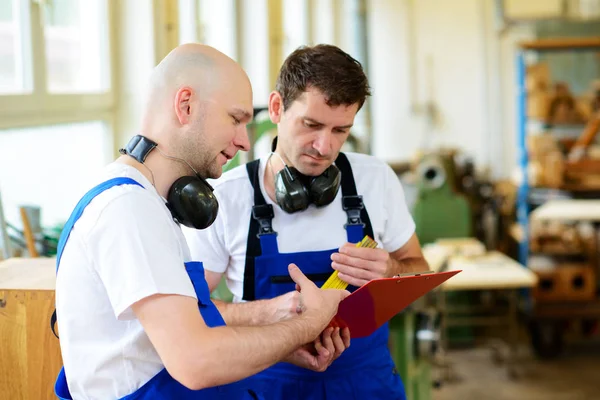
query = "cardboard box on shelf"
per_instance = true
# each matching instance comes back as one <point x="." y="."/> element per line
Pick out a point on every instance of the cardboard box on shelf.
<point x="540" y="145"/>
<point x="553" y="169"/>
<point x="537" y="77"/>
<point x="538" y="105"/>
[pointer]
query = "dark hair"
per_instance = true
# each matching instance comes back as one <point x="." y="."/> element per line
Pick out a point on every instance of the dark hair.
<point x="327" y="68"/>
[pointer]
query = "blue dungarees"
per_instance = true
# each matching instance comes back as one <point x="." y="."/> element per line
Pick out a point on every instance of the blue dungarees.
<point x="162" y="385"/>
<point x="365" y="370"/>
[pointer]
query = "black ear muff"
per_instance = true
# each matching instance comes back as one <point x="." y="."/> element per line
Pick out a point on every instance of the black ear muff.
<point x="192" y="202"/>
<point x="290" y="192"/>
<point x="324" y="188"/>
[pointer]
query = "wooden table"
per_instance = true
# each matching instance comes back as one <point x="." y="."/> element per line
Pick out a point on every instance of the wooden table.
<point x="481" y="271"/>
<point x="29" y="352"/>
<point x="492" y="270"/>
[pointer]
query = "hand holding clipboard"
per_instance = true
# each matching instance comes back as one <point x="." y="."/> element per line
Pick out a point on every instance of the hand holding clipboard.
<point x="376" y="302"/>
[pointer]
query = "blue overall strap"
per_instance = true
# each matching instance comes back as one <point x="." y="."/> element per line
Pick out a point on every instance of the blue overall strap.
<point x="83" y="203"/>
<point x="358" y="223"/>
<point x="261" y="236"/>
<point x="76" y="214"/>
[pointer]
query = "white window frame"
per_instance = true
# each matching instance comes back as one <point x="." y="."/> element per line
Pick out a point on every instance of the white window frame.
<point x="40" y="107"/>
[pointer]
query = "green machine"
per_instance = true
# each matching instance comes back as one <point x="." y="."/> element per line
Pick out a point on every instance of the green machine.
<point x="439" y="211"/>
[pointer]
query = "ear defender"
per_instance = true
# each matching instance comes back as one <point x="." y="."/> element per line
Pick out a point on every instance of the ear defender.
<point x="324" y="187"/>
<point x="295" y="192"/>
<point x="190" y="198"/>
<point x="192" y="202"/>
<point x="290" y="192"/>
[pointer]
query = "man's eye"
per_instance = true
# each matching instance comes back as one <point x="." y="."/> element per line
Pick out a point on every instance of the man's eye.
<point x="235" y="120"/>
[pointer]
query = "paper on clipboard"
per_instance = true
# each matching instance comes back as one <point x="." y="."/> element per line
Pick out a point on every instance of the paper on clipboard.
<point x="376" y="302"/>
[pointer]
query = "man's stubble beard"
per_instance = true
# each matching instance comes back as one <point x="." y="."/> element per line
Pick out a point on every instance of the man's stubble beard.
<point x="197" y="153"/>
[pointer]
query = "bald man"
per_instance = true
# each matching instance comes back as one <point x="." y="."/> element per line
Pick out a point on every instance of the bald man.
<point x="134" y="312"/>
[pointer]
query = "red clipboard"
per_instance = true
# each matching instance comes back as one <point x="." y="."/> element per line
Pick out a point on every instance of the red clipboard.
<point x="376" y="302"/>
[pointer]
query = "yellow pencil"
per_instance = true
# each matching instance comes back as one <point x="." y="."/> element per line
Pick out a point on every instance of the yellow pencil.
<point x="333" y="282"/>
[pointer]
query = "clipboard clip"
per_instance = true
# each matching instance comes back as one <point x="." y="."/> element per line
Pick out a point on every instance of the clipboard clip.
<point x="413" y="274"/>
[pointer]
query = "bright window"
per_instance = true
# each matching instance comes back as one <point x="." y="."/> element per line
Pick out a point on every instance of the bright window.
<point x="76" y="44"/>
<point x="55" y="61"/>
<point x="50" y="167"/>
<point x="14" y="77"/>
<point x="56" y="102"/>
<point x="217" y="25"/>
<point x="295" y="25"/>
<point x="210" y="22"/>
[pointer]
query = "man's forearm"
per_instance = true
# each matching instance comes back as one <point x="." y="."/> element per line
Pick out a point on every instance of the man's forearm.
<point x="408" y="265"/>
<point x="245" y="351"/>
<point x="252" y="313"/>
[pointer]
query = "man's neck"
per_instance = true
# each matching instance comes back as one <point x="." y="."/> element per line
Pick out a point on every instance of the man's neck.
<point x="161" y="172"/>
<point x="269" y="178"/>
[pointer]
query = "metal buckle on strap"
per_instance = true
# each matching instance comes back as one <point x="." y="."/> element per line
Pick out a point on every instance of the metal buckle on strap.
<point x="353" y="205"/>
<point x="264" y="215"/>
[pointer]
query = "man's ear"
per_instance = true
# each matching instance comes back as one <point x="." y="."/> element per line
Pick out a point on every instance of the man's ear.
<point x="182" y="105"/>
<point x="275" y="107"/>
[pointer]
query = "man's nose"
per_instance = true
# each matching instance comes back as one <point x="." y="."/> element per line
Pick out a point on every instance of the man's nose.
<point x="241" y="140"/>
<point x="323" y="143"/>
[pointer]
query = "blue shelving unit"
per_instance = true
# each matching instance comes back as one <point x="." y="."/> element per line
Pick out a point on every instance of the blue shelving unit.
<point x="539" y="46"/>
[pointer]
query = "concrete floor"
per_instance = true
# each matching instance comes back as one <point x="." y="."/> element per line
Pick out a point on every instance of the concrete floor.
<point x="573" y="376"/>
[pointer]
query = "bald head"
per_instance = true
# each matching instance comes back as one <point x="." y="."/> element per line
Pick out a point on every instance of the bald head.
<point x="197" y="99"/>
<point x="202" y="68"/>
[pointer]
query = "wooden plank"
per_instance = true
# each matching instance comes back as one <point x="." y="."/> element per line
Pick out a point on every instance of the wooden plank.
<point x="583" y="166"/>
<point x="28" y="233"/>
<point x="562" y="44"/>
<point x="581" y="309"/>
<point x="585" y="187"/>
<point x="28" y="273"/>
<point x="585" y="139"/>
<point x="568" y="210"/>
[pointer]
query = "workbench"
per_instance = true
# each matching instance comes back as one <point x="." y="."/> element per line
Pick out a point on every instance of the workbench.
<point x="493" y="272"/>
<point x="29" y="352"/>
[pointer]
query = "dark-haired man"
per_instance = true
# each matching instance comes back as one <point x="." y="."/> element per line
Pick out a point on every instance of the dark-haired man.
<point x="288" y="208"/>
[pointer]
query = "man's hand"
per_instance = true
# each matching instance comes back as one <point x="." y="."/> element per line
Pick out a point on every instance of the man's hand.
<point x="318" y="305"/>
<point x="281" y="307"/>
<point x="319" y="355"/>
<point x="359" y="265"/>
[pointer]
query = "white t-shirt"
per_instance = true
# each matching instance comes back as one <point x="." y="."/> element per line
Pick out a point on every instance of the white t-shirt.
<point x="124" y="248"/>
<point x="222" y="247"/>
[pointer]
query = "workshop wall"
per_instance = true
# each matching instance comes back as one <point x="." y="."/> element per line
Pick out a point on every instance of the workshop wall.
<point x="439" y="83"/>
